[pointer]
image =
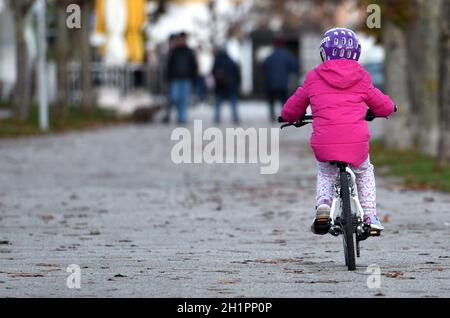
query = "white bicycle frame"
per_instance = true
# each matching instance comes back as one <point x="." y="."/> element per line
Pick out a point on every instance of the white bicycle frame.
<point x="355" y="205"/>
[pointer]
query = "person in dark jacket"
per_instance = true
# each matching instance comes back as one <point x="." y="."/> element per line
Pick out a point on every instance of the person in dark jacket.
<point x="227" y="79"/>
<point x="277" y="68"/>
<point x="182" y="73"/>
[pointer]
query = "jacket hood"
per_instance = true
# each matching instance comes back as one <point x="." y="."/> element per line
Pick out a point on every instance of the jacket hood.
<point x="341" y="73"/>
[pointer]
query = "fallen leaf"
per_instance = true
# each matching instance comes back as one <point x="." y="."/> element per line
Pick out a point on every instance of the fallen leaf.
<point x="5" y="243"/>
<point x="47" y="217"/>
<point x="317" y="282"/>
<point x="393" y="274"/>
<point x="47" y="265"/>
<point x="229" y="281"/>
<point x="95" y="232"/>
<point x="428" y="199"/>
<point x="293" y="271"/>
<point x="120" y="275"/>
<point x="386" y="218"/>
<point x="25" y="275"/>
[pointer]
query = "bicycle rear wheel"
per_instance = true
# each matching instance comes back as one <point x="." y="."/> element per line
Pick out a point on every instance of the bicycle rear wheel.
<point x="348" y="237"/>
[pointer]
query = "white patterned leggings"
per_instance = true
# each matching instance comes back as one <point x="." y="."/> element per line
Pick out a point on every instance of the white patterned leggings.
<point x="328" y="175"/>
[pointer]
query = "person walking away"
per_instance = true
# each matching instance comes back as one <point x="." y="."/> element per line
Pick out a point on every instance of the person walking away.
<point x="277" y="68"/>
<point x="164" y="58"/>
<point x="182" y="73"/>
<point x="227" y="79"/>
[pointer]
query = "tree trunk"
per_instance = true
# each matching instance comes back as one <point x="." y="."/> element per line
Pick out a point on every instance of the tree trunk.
<point x="397" y="133"/>
<point x="428" y="138"/>
<point x="86" y="57"/>
<point x="62" y="60"/>
<point x="415" y="58"/>
<point x="22" y="90"/>
<point x="444" y="144"/>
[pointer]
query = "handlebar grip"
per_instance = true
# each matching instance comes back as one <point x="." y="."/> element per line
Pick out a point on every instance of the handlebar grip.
<point x="306" y="117"/>
<point x="370" y="116"/>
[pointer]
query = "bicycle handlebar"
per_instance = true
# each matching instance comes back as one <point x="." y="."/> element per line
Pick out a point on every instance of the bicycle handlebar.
<point x="301" y="119"/>
<point x="307" y="119"/>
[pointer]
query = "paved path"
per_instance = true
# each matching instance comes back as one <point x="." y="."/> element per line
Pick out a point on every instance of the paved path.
<point x="113" y="202"/>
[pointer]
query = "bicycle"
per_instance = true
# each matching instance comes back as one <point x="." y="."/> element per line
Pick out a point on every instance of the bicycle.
<point x="350" y="221"/>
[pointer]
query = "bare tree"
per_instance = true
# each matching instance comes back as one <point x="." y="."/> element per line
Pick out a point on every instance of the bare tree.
<point x="394" y="31"/>
<point x="397" y="135"/>
<point x="62" y="56"/>
<point x="81" y="52"/>
<point x="86" y="56"/>
<point x="22" y="91"/>
<point x="444" y="144"/>
<point x="429" y="17"/>
<point x="415" y="57"/>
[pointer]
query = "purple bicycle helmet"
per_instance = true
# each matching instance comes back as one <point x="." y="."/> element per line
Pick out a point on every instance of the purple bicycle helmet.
<point x="340" y="43"/>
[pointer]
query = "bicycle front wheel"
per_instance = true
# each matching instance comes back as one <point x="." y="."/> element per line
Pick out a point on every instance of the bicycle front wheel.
<point x="346" y="216"/>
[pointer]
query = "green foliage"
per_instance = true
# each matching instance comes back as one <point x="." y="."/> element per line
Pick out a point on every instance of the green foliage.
<point x="75" y="118"/>
<point x="417" y="170"/>
<point x="4" y="104"/>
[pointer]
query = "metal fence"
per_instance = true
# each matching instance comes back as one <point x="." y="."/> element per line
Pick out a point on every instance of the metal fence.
<point x="125" y="79"/>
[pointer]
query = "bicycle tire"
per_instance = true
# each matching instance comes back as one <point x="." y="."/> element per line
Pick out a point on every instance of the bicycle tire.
<point x="348" y="237"/>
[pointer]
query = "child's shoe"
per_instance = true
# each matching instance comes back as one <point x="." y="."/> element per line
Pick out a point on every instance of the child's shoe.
<point x="374" y="222"/>
<point x="321" y="223"/>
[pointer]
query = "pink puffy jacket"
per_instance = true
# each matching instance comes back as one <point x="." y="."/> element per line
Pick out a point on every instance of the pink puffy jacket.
<point x="339" y="92"/>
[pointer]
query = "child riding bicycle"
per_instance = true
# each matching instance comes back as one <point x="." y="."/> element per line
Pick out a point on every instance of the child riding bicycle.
<point x="340" y="92"/>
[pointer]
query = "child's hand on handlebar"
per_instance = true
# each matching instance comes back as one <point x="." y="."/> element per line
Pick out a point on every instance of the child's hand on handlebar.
<point x="370" y="116"/>
<point x="281" y="120"/>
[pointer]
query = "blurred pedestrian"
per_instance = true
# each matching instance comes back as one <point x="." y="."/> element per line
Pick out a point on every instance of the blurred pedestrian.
<point x="164" y="63"/>
<point x="277" y="68"/>
<point x="227" y="79"/>
<point x="182" y="74"/>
